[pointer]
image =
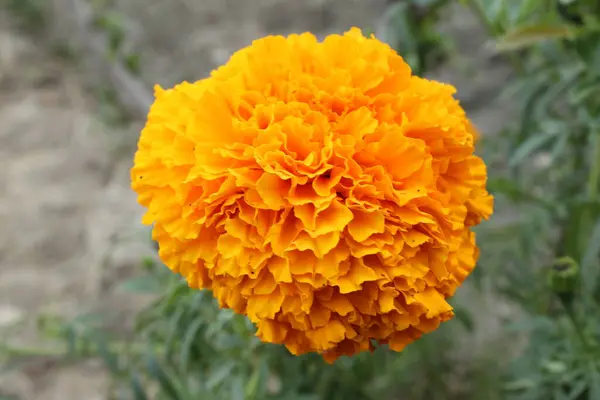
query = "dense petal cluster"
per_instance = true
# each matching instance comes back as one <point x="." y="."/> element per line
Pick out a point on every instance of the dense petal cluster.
<point x="318" y="188"/>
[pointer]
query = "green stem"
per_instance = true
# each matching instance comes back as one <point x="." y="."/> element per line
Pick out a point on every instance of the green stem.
<point x="577" y="326"/>
<point x="594" y="177"/>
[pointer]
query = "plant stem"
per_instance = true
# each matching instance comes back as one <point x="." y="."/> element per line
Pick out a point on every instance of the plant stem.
<point x="577" y="326"/>
<point x="594" y="177"/>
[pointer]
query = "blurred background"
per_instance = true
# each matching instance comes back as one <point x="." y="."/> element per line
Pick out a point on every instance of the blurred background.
<point x="86" y="309"/>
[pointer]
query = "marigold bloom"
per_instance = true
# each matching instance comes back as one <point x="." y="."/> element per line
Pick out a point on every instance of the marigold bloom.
<point x="318" y="188"/>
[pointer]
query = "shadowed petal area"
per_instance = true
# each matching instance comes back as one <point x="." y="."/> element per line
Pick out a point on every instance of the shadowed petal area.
<point x="319" y="188"/>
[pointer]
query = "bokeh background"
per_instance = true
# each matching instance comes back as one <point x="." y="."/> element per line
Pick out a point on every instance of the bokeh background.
<point x="86" y="310"/>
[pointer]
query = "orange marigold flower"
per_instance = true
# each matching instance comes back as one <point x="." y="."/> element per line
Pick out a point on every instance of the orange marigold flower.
<point x="318" y="188"/>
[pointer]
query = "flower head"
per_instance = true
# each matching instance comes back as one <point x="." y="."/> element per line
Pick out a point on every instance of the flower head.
<point x="318" y="188"/>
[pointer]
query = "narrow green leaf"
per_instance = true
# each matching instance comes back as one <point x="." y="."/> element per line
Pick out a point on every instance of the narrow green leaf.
<point x="237" y="389"/>
<point x="256" y="387"/>
<point x="110" y="359"/>
<point x="188" y="342"/>
<point x="219" y="375"/>
<point x="526" y="9"/>
<point x="133" y="63"/>
<point x="137" y="388"/>
<point x="520" y="385"/>
<point x="528" y="147"/>
<point x="148" y="264"/>
<point x="395" y="30"/>
<point x="534" y="90"/>
<point x="497" y="12"/>
<point x="506" y="187"/>
<point x="556" y="91"/>
<point x="143" y="284"/>
<point x="179" y="290"/>
<point x="173" y="330"/>
<point x="560" y="146"/>
<point x="586" y="92"/>
<point x="115" y="41"/>
<point x="558" y="394"/>
<point x="465" y="318"/>
<point x="526" y="36"/>
<point x="159" y="374"/>
<point x="594" y="389"/>
<point x="577" y="389"/>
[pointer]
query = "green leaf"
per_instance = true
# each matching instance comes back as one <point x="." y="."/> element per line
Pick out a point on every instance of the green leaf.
<point x="136" y="388"/>
<point x="159" y="374"/>
<point x="497" y="12"/>
<point x="528" y="147"/>
<point x="586" y="92"/>
<point x="133" y="63"/>
<point x="520" y="385"/>
<point x="110" y="359"/>
<point x="256" y="387"/>
<point x="526" y="36"/>
<point x="534" y="90"/>
<point x="219" y="375"/>
<point x="577" y="389"/>
<point x="148" y="264"/>
<point x="526" y="9"/>
<point x="188" y="342"/>
<point x="180" y="289"/>
<point x="146" y="284"/>
<point x="400" y="32"/>
<point x="594" y="390"/>
<point x="568" y="77"/>
<point x="506" y="187"/>
<point x="237" y="389"/>
<point x="173" y="330"/>
<point x="465" y="318"/>
<point x="559" y="147"/>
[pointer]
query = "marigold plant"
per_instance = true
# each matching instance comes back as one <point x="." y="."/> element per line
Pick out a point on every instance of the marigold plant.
<point x="318" y="188"/>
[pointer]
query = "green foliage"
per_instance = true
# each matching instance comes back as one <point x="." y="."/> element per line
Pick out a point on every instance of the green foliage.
<point x="186" y="348"/>
<point x="411" y="28"/>
<point x="547" y="260"/>
<point x="113" y="27"/>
